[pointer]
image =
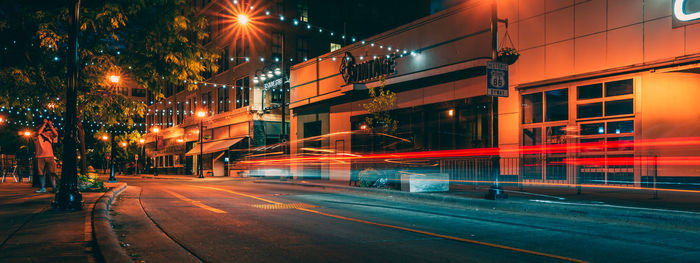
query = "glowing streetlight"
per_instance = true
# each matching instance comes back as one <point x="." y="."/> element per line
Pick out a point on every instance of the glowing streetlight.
<point x="142" y="141"/>
<point x="114" y="79"/>
<point x="105" y="137"/>
<point x="27" y="133"/>
<point x="123" y="144"/>
<point x="156" y="129"/>
<point x="243" y="19"/>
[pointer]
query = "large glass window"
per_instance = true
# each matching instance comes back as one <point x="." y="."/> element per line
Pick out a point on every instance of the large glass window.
<point x="532" y="108"/>
<point x="223" y="99"/>
<point x="242" y="52"/>
<point x="605" y="99"/>
<point x="589" y="110"/>
<point x="593" y="91"/>
<point x="246" y="91"/>
<point x="242" y="92"/>
<point x="618" y="127"/>
<point x="620" y="87"/>
<point x="557" y="105"/>
<point x="619" y="107"/>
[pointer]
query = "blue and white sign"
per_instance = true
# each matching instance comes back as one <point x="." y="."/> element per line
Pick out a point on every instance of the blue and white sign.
<point x="497" y="79"/>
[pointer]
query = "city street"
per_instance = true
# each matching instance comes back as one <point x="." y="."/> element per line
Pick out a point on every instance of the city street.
<point x="350" y="131"/>
<point x="234" y="220"/>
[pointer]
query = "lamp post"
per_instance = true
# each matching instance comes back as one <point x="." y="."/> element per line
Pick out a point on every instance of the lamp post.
<point x="201" y="114"/>
<point x="69" y="197"/>
<point x="105" y="138"/>
<point x="112" y="155"/>
<point x="155" y="156"/>
<point x="142" y="143"/>
<point x="27" y="136"/>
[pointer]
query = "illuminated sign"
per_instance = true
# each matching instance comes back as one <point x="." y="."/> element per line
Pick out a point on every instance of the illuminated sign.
<point x="273" y="84"/>
<point x="685" y="12"/>
<point x="366" y="71"/>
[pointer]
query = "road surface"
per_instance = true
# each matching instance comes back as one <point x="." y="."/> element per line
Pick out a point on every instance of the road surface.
<point x="227" y="220"/>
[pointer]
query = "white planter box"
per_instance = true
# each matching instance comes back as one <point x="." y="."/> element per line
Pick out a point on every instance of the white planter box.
<point x="422" y="183"/>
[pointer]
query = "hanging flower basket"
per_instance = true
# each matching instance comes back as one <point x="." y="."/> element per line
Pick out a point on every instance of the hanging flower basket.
<point x="508" y="55"/>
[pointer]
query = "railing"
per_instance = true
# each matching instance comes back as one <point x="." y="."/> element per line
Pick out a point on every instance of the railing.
<point x="548" y="171"/>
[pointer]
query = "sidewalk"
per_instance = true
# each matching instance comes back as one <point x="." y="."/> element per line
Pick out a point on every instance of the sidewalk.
<point x="33" y="232"/>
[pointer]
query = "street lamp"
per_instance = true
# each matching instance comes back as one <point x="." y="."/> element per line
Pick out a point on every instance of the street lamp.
<point x="142" y="142"/>
<point x="69" y="197"/>
<point x="201" y="114"/>
<point x="243" y="19"/>
<point x="112" y="158"/>
<point x="114" y="79"/>
<point x="105" y="138"/>
<point x="155" y="156"/>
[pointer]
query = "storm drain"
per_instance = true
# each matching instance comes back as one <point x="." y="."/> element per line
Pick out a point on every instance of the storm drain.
<point x="284" y="206"/>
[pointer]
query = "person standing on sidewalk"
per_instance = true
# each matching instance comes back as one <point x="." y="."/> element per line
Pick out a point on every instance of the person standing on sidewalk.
<point x="46" y="163"/>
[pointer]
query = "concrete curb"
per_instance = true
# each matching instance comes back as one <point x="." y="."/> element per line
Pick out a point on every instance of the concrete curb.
<point x="108" y="247"/>
<point x="662" y="218"/>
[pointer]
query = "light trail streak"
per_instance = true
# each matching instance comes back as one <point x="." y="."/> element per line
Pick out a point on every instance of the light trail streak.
<point x="485" y="152"/>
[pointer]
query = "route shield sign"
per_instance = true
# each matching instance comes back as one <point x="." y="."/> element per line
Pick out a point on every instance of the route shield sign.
<point x="497" y="78"/>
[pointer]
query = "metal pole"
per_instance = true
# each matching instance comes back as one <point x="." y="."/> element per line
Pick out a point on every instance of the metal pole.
<point x="495" y="192"/>
<point x="69" y="197"/>
<point x="283" y="132"/>
<point x="155" y="158"/>
<point x="112" y="179"/>
<point x="201" y="148"/>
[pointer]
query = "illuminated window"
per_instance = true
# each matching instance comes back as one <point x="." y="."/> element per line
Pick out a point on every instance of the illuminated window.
<point x="335" y="46"/>
<point x="303" y="10"/>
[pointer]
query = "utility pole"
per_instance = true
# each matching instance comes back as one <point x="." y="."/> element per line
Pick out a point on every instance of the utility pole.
<point x="69" y="197"/>
<point x="283" y="132"/>
<point x="495" y="191"/>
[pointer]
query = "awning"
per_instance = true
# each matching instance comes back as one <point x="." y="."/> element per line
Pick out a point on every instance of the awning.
<point x="216" y="146"/>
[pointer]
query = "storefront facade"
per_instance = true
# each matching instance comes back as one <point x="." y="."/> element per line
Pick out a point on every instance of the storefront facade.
<point x="440" y="87"/>
<point x="591" y="74"/>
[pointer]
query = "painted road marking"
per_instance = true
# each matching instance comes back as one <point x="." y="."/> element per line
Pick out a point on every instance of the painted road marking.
<point x="408" y="229"/>
<point x="283" y="206"/>
<point x="196" y="203"/>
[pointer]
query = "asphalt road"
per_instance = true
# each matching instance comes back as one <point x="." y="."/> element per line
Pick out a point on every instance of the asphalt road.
<point x="240" y="221"/>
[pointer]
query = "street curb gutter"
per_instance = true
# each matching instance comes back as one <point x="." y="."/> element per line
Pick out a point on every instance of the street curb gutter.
<point x="674" y="219"/>
<point x="108" y="247"/>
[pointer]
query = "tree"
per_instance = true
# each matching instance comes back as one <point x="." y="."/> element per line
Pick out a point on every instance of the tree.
<point x="382" y="101"/>
<point x="155" y="42"/>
